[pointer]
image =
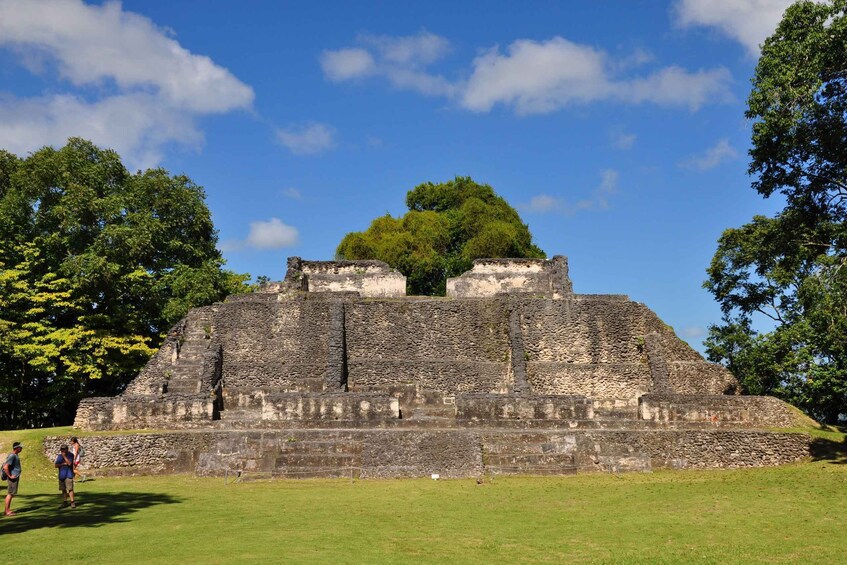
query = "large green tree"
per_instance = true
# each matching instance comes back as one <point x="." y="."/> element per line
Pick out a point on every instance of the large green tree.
<point x="792" y="268"/>
<point x="448" y="225"/>
<point x="96" y="263"/>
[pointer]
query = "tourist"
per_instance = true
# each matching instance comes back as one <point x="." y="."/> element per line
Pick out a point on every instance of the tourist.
<point x="76" y="451"/>
<point x="65" y="464"/>
<point x="12" y="468"/>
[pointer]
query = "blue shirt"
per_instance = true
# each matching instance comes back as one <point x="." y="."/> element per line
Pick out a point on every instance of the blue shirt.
<point x="65" y="471"/>
<point x="14" y="463"/>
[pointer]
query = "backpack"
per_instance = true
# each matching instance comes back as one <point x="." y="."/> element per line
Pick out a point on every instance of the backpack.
<point x="3" y="474"/>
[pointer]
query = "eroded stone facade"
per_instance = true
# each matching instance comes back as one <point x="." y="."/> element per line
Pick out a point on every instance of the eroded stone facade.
<point x="513" y="372"/>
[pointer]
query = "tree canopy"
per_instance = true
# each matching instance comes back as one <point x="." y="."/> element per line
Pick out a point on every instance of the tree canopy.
<point x="95" y="265"/>
<point x="448" y="225"/>
<point x="792" y="268"/>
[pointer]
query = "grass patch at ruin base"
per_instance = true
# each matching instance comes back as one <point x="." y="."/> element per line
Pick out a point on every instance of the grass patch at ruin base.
<point x="787" y="514"/>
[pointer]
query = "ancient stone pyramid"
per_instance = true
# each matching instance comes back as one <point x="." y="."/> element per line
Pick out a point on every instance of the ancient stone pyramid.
<point x="335" y="372"/>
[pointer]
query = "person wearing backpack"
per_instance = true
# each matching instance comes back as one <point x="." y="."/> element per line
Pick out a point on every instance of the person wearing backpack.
<point x="12" y="472"/>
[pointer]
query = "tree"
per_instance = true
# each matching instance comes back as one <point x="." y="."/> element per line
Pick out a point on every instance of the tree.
<point x="792" y="268"/>
<point x="95" y="265"/>
<point x="448" y="225"/>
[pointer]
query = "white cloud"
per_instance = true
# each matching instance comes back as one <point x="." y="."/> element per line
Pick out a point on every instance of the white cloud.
<point x="623" y="140"/>
<point x="540" y="77"/>
<point x="749" y="22"/>
<point x="346" y="64"/>
<point x="532" y="77"/>
<point x="291" y="193"/>
<point x="598" y="200"/>
<point x="135" y="125"/>
<point x="415" y="50"/>
<point x="272" y="234"/>
<point x="674" y="86"/>
<point x="711" y="158"/>
<point x="161" y="87"/>
<point x="307" y="139"/>
<point x="542" y="203"/>
<point x="400" y="60"/>
<point x="537" y="77"/>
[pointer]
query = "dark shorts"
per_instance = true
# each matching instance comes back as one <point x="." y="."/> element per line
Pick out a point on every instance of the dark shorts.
<point x="66" y="485"/>
<point x="12" y="486"/>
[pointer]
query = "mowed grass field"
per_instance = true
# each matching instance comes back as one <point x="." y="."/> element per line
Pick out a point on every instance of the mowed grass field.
<point x="789" y="514"/>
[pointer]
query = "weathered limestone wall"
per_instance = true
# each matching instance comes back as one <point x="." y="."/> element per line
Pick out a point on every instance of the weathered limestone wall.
<point x="761" y="411"/>
<point x="496" y="407"/>
<point x="581" y="345"/>
<point x="415" y="453"/>
<point x="341" y="406"/>
<point x="271" y="340"/>
<point x="688" y="449"/>
<point x="490" y="277"/>
<point x="140" y="412"/>
<point x="595" y="345"/>
<point x="140" y="454"/>
<point x="153" y="375"/>
<point x="368" y="278"/>
<point x="443" y="345"/>
<point x="588" y="346"/>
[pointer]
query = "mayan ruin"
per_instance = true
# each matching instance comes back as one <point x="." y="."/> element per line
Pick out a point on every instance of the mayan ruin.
<point x="334" y="371"/>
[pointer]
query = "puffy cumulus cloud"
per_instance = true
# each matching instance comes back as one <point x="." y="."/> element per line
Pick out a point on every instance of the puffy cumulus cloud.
<point x="598" y="200"/>
<point x="307" y="139"/>
<point x="711" y="158"/>
<point x="402" y="60"/>
<point x="159" y="87"/>
<point x="269" y="234"/>
<point x="537" y="77"/>
<point x="136" y="125"/>
<point x="749" y="22"/>
<point x="272" y="234"/>
<point x="540" y="77"/>
<point x="532" y="77"/>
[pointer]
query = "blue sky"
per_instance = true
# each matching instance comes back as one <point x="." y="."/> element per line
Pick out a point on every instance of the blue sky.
<point x="617" y="129"/>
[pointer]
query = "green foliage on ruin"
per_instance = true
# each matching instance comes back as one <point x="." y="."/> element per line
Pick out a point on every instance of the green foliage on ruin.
<point x="792" y="268"/>
<point x="96" y="264"/>
<point x="448" y="225"/>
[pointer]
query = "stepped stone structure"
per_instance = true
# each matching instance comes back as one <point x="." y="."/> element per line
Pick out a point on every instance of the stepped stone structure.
<point x="334" y="371"/>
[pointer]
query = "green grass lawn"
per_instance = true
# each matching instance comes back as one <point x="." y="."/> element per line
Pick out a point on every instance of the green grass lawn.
<point x="790" y="514"/>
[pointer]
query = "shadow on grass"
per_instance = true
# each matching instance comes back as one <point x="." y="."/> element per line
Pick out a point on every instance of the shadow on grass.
<point x="825" y="449"/>
<point x="93" y="510"/>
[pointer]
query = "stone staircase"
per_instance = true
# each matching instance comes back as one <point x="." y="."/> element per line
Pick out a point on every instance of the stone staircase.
<point x="325" y="456"/>
<point x="521" y="453"/>
<point x="186" y="373"/>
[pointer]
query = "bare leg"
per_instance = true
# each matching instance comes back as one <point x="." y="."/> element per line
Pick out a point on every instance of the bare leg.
<point x="8" y="503"/>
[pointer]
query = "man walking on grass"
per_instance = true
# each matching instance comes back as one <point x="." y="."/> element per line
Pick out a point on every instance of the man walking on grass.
<point x="12" y="469"/>
<point x="65" y="464"/>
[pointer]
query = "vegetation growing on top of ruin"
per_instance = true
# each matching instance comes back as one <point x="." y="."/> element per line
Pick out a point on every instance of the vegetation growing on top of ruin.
<point x="792" y="268"/>
<point x="448" y="225"/>
<point x="96" y="263"/>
